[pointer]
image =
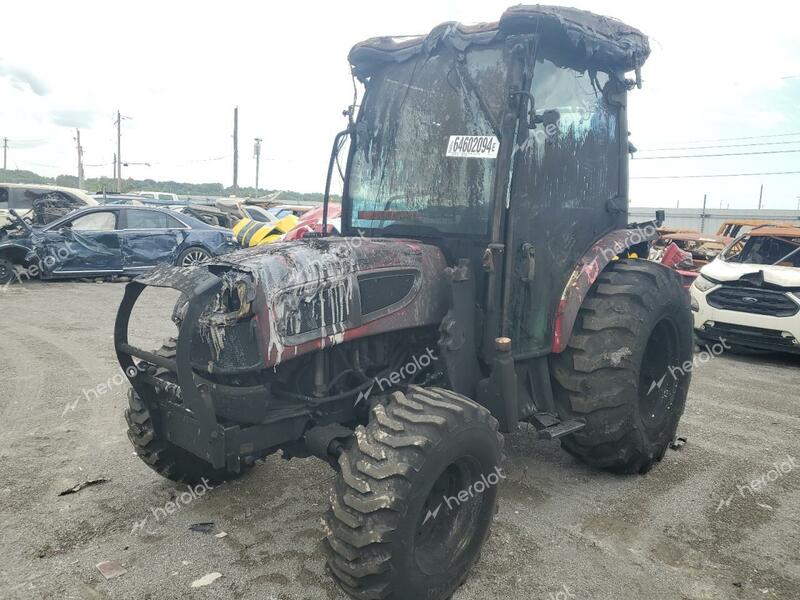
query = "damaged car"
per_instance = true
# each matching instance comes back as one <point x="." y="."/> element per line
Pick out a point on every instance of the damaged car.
<point x="750" y="295"/>
<point x="41" y="204"/>
<point x="107" y="241"/>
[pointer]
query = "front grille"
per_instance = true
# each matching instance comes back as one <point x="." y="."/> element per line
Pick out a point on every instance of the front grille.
<point x="754" y="301"/>
<point x="754" y="337"/>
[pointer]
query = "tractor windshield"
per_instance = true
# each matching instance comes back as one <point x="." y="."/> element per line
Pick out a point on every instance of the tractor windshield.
<point x="426" y="144"/>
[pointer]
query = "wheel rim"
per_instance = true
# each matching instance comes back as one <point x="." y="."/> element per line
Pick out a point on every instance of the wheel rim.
<point x="661" y="375"/>
<point x="445" y="529"/>
<point x="6" y="272"/>
<point x="195" y="258"/>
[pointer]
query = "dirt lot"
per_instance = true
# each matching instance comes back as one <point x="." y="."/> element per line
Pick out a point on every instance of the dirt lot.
<point x="689" y="529"/>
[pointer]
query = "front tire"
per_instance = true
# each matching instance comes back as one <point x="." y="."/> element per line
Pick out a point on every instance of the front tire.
<point x="162" y="456"/>
<point x="415" y="497"/>
<point x="624" y="371"/>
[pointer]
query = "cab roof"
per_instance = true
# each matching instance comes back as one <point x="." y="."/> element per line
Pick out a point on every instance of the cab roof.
<point x="579" y="39"/>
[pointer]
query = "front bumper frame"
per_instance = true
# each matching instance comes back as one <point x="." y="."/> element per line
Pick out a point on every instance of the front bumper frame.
<point x="192" y="422"/>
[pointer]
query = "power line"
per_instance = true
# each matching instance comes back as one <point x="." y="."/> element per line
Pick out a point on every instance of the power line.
<point x="717" y="155"/>
<point x="198" y="160"/>
<point x="717" y="175"/>
<point x="731" y="139"/>
<point x="721" y="146"/>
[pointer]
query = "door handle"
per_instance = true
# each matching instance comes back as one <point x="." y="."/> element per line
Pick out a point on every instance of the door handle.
<point x="529" y="256"/>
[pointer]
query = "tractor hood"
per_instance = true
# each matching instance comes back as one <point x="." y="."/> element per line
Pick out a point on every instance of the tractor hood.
<point x="305" y="295"/>
<point x="581" y="39"/>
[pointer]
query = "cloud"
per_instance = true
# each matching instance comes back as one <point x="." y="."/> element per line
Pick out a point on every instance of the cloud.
<point x="73" y="117"/>
<point x="21" y="78"/>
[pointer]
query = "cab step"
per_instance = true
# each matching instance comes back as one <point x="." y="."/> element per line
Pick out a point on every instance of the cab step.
<point x="550" y="427"/>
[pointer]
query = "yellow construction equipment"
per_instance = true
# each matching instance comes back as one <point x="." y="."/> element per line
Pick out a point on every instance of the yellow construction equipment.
<point x="250" y="232"/>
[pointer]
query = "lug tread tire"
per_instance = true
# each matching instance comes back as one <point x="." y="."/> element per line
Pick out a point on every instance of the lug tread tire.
<point x="163" y="457"/>
<point x="377" y="476"/>
<point x="596" y="378"/>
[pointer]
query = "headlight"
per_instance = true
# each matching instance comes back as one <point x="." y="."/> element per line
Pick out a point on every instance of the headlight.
<point x="702" y="284"/>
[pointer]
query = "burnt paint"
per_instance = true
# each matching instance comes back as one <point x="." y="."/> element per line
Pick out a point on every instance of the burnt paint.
<point x="284" y="275"/>
<point x="585" y="273"/>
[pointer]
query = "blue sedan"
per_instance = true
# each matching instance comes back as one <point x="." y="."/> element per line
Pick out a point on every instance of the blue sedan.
<point x="109" y="240"/>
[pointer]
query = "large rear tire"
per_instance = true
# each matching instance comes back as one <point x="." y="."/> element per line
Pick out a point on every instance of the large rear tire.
<point x="165" y="458"/>
<point x="415" y="497"/>
<point x="624" y="371"/>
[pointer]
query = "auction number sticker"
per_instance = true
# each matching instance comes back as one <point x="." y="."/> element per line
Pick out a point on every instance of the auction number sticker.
<point x="473" y="146"/>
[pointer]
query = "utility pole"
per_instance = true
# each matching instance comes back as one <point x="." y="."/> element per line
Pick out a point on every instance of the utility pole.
<point x="80" y="158"/>
<point x="703" y="215"/>
<point x="119" y="153"/>
<point x="760" y="196"/>
<point x="236" y="150"/>
<point x="115" y="165"/>
<point x="5" y="151"/>
<point x="257" y="154"/>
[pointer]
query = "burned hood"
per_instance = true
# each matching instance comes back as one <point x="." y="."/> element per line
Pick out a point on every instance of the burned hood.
<point x="581" y="40"/>
<point x="311" y="294"/>
<point x="723" y="271"/>
<point x="294" y="263"/>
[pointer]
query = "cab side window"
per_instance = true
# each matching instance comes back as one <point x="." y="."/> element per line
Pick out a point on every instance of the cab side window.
<point x="3" y="198"/>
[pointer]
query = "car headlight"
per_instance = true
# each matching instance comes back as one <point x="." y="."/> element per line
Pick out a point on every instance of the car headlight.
<point x="702" y="284"/>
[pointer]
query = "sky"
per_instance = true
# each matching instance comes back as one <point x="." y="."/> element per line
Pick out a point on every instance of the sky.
<point x="177" y="69"/>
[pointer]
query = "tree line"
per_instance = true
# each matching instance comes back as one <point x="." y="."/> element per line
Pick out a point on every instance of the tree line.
<point x="109" y="184"/>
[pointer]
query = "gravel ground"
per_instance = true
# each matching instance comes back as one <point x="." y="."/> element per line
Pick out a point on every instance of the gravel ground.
<point x="688" y="529"/>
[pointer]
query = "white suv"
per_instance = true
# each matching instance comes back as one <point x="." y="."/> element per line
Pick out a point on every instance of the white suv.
<point x="21" y="197"/>
<point x="750" y="294"/>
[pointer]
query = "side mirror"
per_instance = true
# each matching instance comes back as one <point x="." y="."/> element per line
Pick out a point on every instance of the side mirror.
<point x="548" y="118"/>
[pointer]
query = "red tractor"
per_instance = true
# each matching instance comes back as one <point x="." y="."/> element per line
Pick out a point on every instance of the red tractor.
<point x="486" y="276"/>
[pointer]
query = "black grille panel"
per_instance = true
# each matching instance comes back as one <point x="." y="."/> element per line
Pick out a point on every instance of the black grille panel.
<point x="754" y="301"/>
<point x="751" y="337"/>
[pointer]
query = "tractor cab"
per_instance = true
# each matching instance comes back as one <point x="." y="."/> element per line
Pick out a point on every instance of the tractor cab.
<point x="505" y="144"/>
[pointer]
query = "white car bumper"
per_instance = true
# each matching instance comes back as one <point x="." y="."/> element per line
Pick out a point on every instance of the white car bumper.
<point x="745" y="327"/>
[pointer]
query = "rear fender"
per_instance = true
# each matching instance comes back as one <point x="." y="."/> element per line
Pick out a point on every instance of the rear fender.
<point x="588" y="269"/>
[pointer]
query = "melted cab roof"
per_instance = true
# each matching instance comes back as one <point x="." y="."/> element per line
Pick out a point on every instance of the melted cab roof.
<point x="580" y="39"/>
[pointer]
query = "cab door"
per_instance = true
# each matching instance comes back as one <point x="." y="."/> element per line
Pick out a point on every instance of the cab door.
<point x="566" y="193"/>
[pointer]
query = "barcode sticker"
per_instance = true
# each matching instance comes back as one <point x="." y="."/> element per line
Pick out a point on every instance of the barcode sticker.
<point x="473" y="146"/>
